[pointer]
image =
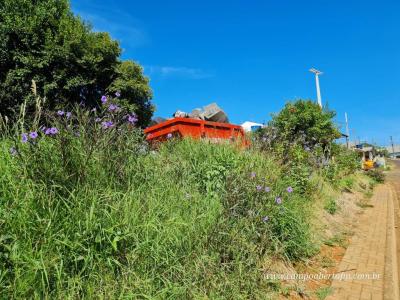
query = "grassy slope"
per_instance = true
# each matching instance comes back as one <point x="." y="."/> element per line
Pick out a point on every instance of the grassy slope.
<point x="183" y="222"/>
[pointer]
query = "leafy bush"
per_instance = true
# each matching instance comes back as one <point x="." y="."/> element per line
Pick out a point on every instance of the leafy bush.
<point x="377" y="175"/>
<point x="304" y="122"/>
<point x="348" y="161"/>
<point x="343" y="163"/>
<point x="302" y="135"/>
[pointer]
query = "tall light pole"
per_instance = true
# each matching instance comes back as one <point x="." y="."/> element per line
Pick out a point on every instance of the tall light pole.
<point x="316" y="72"/>
<point x="347" y="130"/>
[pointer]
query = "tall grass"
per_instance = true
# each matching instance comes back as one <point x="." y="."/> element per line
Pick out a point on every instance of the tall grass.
<point x="94" y="212"/>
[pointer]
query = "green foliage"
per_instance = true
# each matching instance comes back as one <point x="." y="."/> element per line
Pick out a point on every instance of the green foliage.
<point x="92" y="204"/>
<point x="331" y="206"/>
<point x="324" y="292"/>
<point x="377" y="175"/>
<point x="69" y="63"/>
<point x="303" y="121"/>
<point x="347" y="161"/>
<point x="343" y="163"/>
<point x="302" y="135"/>
<point x="131" y="83"/>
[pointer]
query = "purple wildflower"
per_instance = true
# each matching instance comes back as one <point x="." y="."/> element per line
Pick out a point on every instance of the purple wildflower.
<point x="93" y="109"/>
<point x="33" y="135"/>
<point x="68" y="114"/>
<point x="267" y="189"/>
<point x="13" y="151"/>
<point x="117" y="94"/>
<point x="259" y="187"/>
<point x="24" y="137"/>
<point x="107" y="124"/>
<point x="289" y="189"/>
<point x="265" y="219"/>
<point x="113" y="107"/>
<point x="252" y="174"/>
<point x="169" y="135"/>
<point x="278" y="200"/>
<point x="60" y="113"/>
<point x="132" y="118"/>
<point x="103" y="99"/>
<point x="53" y="130"/>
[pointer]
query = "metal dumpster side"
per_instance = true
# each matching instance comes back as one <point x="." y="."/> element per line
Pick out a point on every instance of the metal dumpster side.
<point x="197" y="129"/>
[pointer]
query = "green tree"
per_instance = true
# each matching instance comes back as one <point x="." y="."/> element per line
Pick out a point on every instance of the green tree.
<point x="304" y="122"/>
<point x="130" y="82"/>
<point x="42" y="40"/>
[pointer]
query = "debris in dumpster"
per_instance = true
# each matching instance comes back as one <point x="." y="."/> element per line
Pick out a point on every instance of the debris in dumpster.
<point x="180" y="114"/>
<point x="211" y="112"/>
<point x="196" y="114"/>
<point x="214" y="113"/>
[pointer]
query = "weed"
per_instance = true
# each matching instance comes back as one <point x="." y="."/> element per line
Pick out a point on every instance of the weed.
<point x="331" y="206"/>
<point x="377" y="175"/>
<point x="323" y="292"/>
<point x="346" y="184"/>
<point x="339" y="239"/>
<point x="327" y="262"/>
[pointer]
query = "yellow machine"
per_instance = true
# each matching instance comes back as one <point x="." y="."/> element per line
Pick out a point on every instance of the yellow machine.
<point x="367" y="155"/>
<point x="368" y="165"/>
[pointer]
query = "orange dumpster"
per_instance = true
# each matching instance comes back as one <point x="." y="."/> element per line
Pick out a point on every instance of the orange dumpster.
<point x="197" y="129"/>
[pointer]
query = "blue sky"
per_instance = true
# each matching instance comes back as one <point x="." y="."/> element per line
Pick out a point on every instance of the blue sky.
<point x="252" y="56"/>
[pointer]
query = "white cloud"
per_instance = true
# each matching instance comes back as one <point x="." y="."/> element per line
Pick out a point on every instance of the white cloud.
<point x="182" y="72"/>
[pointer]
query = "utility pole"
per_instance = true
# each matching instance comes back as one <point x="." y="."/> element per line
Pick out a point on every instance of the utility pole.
<point x="391" y="140"/>
<point x="316" y="72"/>
<point x="347" y="130"/>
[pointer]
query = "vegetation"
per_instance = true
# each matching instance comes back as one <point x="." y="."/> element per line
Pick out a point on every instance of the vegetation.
<point x="377" y="175"/>
<point x="331" y="206"/>
<point x="89" y="210"/>
<point x="85" y="200"/>
<point x="43" y="45"/>
<point x="303" y="123"/>
<point x="324" y="292"/>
